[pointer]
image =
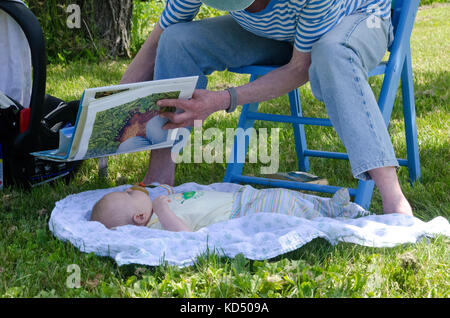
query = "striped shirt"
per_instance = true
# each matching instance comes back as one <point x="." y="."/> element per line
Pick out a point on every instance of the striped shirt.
<point x="301" y="22"/>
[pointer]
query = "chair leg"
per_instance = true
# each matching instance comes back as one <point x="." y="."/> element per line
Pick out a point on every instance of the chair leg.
<point x="299" y="131"/>
<point x="409" y="113"/>
<point x="234" y="167"/>
<point x="389" y="90"/>
<point x="103" y="167"/>
<point x="364" y="193"/>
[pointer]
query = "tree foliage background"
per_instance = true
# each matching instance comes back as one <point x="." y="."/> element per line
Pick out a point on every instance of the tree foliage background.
<point x="66" y="44"/>
<point x="104" y="29"/>
<point x="91" y="40"/>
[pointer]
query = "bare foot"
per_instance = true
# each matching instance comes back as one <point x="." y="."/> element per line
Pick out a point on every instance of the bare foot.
<point x="398" y="204"/>
<point x="391" y="193"/>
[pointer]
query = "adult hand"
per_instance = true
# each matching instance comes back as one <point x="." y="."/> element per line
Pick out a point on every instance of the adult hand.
<point x="202" y="104"/>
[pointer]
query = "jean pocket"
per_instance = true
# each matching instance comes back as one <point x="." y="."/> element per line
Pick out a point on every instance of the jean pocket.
<point x="369" y="40"/>
<point x="391" y="34"/>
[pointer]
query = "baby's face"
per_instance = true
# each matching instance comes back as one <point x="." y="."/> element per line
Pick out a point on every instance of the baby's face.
<point x="132" y="206"/>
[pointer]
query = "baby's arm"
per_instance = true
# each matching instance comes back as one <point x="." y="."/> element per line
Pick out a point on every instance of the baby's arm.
<point x="169" y="221"/>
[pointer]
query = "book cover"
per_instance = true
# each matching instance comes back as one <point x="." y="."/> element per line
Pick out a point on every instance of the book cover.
<point x="299" y="176"/>
<point x="120" y="119"/>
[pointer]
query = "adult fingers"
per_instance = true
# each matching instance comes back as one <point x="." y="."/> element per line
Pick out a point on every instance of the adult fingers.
<point x="176" y="118"/>
<point x="178" y="103"/>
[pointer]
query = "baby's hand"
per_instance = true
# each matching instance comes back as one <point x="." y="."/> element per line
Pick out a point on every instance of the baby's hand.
<point x="160" y="203"/>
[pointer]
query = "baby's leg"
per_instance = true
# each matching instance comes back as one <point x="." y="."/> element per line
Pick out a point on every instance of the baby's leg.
<point x="295" y="203"/>
<point x="338" y="206"/>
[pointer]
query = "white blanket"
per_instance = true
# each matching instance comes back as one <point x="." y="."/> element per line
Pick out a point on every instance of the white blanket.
<point x="257" y="237"/>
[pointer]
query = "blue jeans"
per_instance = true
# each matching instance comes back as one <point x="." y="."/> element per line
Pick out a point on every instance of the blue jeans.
<point x="341" y="60"/>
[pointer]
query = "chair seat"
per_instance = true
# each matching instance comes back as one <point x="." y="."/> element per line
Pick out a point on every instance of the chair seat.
<point x="260" y="70"/>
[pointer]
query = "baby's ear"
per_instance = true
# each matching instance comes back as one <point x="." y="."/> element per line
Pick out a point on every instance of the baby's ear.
<point x="141" y="219"/>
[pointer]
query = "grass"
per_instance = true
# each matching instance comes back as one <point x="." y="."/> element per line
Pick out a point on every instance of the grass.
<point x="34" y="264"/>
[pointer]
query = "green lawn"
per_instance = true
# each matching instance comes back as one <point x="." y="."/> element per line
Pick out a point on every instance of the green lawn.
<point x="34" y="264"/>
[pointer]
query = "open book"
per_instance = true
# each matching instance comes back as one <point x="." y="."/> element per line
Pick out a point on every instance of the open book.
<point x="120" y="119"/>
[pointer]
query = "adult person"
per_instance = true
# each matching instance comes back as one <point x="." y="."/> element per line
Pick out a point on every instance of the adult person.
<point x="331" y="43"/>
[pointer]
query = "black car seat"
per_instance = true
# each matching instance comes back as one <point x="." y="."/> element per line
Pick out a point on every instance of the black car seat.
<point x="25" y="130"/>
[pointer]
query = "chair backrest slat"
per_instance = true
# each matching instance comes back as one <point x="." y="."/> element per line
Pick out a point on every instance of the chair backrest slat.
<point x="396" y="10"/>
<point x="404" y="10"/>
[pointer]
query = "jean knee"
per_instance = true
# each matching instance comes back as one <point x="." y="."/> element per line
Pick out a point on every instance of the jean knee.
<point x="173" y="39"/>
<point x="182" y="53"/>
<point x="329" y="56"/>
<point x="325" y="65"/>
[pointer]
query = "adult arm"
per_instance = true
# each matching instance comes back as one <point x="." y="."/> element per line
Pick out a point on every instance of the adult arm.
<point x="142" y="67"/>
<point x="274" y="84"/>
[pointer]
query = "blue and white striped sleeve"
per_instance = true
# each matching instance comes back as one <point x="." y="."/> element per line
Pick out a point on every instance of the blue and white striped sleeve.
<point x="179" y="11"/>
<point x="316" y="19"/>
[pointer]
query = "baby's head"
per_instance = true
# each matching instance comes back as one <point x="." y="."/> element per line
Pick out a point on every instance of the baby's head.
<point x="132" y="206"/>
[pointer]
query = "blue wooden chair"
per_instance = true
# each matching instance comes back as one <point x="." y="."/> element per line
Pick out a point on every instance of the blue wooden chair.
<point x="397" y="68"/>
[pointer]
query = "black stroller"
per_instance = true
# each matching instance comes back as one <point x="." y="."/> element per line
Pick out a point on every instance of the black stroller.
<point x="24" y="130"/>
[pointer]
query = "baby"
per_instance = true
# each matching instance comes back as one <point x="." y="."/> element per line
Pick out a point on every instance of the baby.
<point x="191" y="211"/>
<point x="188" y="211"/>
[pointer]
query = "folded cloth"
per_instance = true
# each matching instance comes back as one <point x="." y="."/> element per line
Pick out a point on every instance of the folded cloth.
<point x="259" y="236"/>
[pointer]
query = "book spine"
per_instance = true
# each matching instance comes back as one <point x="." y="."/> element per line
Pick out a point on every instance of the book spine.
<point x="1" y="167"/>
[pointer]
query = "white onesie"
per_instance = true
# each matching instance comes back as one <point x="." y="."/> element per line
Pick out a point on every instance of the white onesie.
<point x="198" y="209"/>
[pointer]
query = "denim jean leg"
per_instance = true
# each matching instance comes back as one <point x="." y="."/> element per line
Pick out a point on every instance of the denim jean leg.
<point x="341" y="60"/>
<point x="214" y="44"/>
